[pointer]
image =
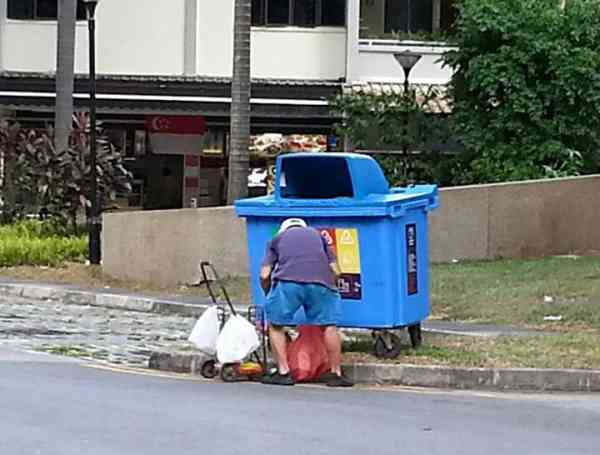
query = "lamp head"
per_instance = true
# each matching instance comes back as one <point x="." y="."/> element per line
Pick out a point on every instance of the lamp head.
<point x="407" y="61"/>
<point x="90" y="7"/>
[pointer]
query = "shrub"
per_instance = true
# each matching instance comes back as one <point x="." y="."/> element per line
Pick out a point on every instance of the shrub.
<point x="39" y="243"/>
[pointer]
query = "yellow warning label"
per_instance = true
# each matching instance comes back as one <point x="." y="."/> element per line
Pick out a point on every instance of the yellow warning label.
<point x="348" y="250"/>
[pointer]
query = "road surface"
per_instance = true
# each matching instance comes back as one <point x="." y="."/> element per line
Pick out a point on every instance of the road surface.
<point x="54" y="406"/>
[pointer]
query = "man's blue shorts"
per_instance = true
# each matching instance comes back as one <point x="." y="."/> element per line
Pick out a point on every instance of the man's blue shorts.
<point x="322" y="305"/>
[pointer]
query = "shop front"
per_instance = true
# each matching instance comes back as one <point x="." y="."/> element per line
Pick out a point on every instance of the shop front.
<point x="173" y="132"/>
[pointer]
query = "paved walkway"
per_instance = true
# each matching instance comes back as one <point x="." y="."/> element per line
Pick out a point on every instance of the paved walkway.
<point x="470" y="329"/>
<point x="108" y="335"/>
<point x="122" y="336"/>
<point x="447" y="327"/>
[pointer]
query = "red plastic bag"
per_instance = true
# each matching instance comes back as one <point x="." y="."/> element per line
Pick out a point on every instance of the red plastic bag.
<point x="307" y="354"/>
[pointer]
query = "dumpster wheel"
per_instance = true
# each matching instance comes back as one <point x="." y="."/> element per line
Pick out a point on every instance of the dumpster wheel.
<point x="416" y="338"/>
<point x="387" y="345"/>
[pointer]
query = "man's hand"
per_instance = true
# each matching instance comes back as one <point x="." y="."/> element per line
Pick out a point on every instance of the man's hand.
<point x="335" y="269"/>
<point x="265" y="278"/>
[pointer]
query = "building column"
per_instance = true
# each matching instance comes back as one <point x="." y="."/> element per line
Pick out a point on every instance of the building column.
<point x="190" y="40"/>
<point x="352" y="38"/>
<point x="3" y="12"/>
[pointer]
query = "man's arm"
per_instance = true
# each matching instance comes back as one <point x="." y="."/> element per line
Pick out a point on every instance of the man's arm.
<point x="333" y="265"/>
<point x="265" y="278"/>
<point x="266" y="268"/>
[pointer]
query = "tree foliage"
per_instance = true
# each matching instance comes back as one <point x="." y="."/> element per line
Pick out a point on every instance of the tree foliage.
<point x="394" y="121"/>
<point x="526" y="89"/>
<point x="58" y="181"/>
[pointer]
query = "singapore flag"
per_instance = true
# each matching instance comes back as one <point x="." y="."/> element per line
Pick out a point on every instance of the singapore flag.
<point x="181" y="135"/>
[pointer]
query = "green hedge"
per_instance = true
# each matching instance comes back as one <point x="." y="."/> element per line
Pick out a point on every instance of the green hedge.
<point x="39" y="243"/>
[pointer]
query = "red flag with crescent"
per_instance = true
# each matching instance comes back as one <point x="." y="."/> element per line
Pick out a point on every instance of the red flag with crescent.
<point x="176" y="134"/>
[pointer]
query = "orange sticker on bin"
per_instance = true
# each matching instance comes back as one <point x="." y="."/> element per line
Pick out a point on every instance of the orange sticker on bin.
<point x="329" y="236"/>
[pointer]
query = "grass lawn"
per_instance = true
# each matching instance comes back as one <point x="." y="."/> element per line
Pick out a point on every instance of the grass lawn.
<point x="554" y="350"/>
<point x="513" y="292"/>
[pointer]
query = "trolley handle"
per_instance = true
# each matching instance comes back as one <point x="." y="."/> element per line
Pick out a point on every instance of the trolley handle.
<point x="206" y="266"/>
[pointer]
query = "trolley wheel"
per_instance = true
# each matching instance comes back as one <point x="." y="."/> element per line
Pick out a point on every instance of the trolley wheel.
<point x="416" y="337"/>
<point x="229" y="373"/>
<point x="209" y="369"/>
<point x="389" y="350"/>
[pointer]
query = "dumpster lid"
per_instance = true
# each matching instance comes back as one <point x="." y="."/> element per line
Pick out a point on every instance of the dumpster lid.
<point x="328" y="176"/>
<point x="393" y="204"/>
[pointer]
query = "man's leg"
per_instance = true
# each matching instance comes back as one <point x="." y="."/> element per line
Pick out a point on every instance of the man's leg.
<point x="323" y="308"/>
<point x="279" y="347"/>
<point x="282" y="303"/>
<point x="333" y="343"/>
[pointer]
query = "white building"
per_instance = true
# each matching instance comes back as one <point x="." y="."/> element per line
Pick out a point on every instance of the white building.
<point x="158" y="57"/>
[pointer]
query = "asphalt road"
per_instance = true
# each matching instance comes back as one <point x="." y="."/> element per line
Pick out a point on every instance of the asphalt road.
<point x="51" y="406"/>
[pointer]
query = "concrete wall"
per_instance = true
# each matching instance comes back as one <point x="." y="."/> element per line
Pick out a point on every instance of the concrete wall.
<point x="517" y="220"/>
<point x="130" y="40"/>
<point x="175" y="37"/>
<point x="376" y="63"/>
<point x="299" y="53"/>
<point x="277" y="52"/>
<point x="479" y="222"/>
<point x="165" y="247"/>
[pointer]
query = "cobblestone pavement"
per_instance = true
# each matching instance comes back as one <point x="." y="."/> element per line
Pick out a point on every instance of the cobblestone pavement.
<point x="111" y="336"/>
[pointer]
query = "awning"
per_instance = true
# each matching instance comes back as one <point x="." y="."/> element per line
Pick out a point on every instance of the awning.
<point x="199" y="95"/>
<point x="434" y="98"/>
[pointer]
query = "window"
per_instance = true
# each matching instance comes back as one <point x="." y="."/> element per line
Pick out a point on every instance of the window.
<point x="384" y="18"/>
<point x="278" y="11"/>
<point x="41" y="10"/>
<point x="409" y="16"/>
<point x="305" y="12"/>
<point x="333" y="12"/>
<point x="299" y="13"/>
<point x="448" y="15"/>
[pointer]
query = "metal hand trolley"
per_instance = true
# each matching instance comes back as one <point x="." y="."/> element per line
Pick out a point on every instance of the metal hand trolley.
<point x="256" y="364"/>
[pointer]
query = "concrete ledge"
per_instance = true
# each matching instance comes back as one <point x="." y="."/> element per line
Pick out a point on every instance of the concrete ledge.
<point x="73" y="296"/>
<point x="420" y="376"/>
<point x="182" y="309"/>
<point x="523" y="379"/>
<point x="177" y="363"/>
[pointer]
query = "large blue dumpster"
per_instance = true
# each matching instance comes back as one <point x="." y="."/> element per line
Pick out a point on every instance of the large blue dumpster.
<point x="379" y="234"/>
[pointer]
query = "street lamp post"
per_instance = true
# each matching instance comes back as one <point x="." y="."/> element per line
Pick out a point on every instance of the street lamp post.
<point x="94" y="220"/>
<point x="407" y="61"/>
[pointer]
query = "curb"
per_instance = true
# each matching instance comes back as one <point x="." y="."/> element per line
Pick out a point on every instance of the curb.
<point x="72" y="296"/>
<point x="526" y="379"/>
<point x="500" y="379"/>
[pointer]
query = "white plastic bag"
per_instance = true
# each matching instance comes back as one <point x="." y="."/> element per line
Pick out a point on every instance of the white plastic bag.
<point x="205" y="332"/>
<point x="237" y="340"/>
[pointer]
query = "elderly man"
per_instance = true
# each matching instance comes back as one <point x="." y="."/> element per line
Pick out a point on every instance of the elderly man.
<point x="299" y="271"/>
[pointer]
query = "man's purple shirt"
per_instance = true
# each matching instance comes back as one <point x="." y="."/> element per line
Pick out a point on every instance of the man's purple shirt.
<point x="301" y="255"/>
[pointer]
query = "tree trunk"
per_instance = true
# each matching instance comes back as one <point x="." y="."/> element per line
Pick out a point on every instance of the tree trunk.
<point x="65" y="68"/>
<point x="239" y="155"/>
